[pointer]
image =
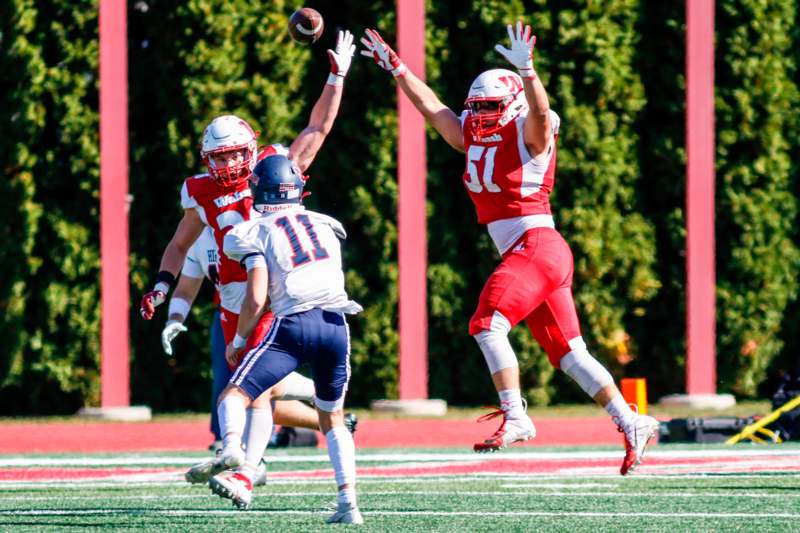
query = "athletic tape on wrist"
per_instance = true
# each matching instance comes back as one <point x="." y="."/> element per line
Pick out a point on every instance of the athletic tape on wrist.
<point x="400" y="70"/>
<point x="165" y="277"/>
<point x="239" y="341"/>
<point x="179" y="306"/>
<point x="335" y="80"/>
<point x="527" y="73"/>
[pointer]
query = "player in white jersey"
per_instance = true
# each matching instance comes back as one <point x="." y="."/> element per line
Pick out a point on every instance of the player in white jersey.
<point x="202" y="262"/>
<point x="294" y="266"/>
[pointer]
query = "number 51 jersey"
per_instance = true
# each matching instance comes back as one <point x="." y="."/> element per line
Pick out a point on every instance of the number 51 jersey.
<point x="302" y="254"/>
<point x="502" y="178"/>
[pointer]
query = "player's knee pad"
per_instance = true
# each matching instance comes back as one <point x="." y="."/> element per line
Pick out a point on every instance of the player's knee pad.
<point x="494" y="344"/>
<point x="585" y="369"/>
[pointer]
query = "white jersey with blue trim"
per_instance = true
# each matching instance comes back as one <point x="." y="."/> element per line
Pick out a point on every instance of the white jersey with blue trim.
<point x="302" y="254"/>
<point x="202" y="259"/>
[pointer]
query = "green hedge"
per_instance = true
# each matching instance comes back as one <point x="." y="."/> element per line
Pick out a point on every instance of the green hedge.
<point x="614" y="71"/>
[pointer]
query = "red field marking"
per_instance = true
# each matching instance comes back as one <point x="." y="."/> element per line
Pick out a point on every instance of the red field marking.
<point x="576" y="467"/>
<point x="65" y="474"/>
<point x="561" y="466"/>
<point x="66" y="437"/>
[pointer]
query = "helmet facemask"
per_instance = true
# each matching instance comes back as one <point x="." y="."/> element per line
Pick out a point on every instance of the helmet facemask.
<point x="230" y="173"/>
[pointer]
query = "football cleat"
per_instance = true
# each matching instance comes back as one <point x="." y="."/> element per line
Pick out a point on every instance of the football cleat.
<point x="260" y="477"/>
<point x="346" y="515"/>
<point x="235" y="486"/>
<point x="201" y="472"/>
<point x="511" y="430"/>
<point x="351" y="422"/>
<point x="637" y="437"/>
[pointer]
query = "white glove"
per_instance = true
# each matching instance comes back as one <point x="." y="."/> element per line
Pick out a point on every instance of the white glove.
<point x="382" y="53"/>
<point x="341" y="58"/>
<point x="170" y="331"/>
<point x="521" y="53"/>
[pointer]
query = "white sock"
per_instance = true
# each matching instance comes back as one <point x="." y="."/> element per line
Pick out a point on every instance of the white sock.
<point x="511" y="403"/>
<point x="232" y="417"/>
<point x="247" y="470"/>
<point x="342" y="452"/>
<point x="619" y="409"/>
<point x="347" y="497"/>
<point x="259" y="432"/>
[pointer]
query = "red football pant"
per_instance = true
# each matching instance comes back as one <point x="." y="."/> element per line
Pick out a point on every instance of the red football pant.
<point x="230" y="322"/>
<point x="533" y="283"/>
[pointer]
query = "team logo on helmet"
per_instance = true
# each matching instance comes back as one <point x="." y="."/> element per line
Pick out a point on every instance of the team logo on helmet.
<point x="495" y="98"/>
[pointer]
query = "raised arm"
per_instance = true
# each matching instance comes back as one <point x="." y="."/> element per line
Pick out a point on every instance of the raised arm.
<point x="441" y="117"/>
<point x="305" y="147"/>
<point x="189" y="228"/>
<point x="537" y="124"/>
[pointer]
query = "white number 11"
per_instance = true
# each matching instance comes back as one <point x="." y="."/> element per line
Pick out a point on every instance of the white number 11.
<point x="474" y="154"/>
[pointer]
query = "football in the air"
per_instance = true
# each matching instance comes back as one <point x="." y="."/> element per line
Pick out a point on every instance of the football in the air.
<point x="306" y="25"/>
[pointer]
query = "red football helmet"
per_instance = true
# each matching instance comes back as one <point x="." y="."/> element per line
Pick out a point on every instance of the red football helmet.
<point x="225" y="134"/>
<point x="495" y="98"/>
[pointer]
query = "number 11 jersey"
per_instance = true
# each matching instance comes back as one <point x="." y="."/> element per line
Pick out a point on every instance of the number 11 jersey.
<point x="302" y="254"/>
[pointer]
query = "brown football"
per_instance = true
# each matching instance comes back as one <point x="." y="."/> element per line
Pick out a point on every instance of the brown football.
<point x="306" y="25"/>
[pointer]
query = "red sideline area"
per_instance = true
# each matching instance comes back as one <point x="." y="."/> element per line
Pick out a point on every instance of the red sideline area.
<point x="68" y="437"/>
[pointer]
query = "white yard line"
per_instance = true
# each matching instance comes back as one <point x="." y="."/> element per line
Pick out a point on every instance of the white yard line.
<point x="368" y="493"/>
<point x="562" y="514"/>
<point x="469" y="457"/>
<point x="538" y="480"/>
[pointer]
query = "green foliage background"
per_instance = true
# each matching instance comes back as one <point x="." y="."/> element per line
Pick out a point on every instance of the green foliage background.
<point x="615" y="73"/>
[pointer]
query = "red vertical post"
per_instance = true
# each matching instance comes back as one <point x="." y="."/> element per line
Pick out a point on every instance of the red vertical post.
<point x="701" y="279"/>
<point x="115" y="371"/>
<point x="412" y="235"/>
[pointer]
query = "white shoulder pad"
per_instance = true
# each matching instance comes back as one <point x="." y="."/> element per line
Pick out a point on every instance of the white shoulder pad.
<point x="462" y="118"/>
<point x="335" y="225"/>
<point x="275" y="149"/>
<point x="555" y="122"/>
<point x="242" y="240"/>
<point x="187" y="202"/>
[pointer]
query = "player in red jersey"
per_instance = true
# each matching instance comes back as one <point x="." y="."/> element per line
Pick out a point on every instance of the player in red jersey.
<point x="221" y="198"/>
<point x="509" y="134"/>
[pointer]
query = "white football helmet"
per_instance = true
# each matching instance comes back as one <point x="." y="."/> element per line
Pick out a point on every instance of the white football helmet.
<point x="227" y="133"/>
<point x="495" y="98"/>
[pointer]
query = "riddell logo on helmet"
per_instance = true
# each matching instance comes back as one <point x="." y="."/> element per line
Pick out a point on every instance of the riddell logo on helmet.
<point x="228" y="199"/>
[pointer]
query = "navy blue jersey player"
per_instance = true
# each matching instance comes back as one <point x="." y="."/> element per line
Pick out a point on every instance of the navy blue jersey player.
<point x="294" y="268"/>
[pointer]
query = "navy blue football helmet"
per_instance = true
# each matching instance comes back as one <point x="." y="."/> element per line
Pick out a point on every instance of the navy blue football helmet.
<point x="276" y="180"/>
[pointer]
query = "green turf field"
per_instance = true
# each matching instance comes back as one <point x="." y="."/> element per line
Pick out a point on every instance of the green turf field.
<point x="684" y="501"/>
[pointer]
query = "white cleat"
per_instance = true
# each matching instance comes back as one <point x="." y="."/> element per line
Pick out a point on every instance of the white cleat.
<point x="201" y="472"/>
<point x="346" y="515"/>
<point x="234" y="486"/>
<point x="510" y="431"/>
<point x="637" y="436"/>
<point x="260" y="477"/>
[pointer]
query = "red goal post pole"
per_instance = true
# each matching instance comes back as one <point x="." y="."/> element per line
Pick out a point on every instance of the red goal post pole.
<point x="115" y="297"/>
<point x="412" y="234"/>
<point x="701" y="377"/>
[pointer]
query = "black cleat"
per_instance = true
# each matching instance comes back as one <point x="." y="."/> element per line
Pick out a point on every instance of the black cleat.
<point x="350" y="422"/>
